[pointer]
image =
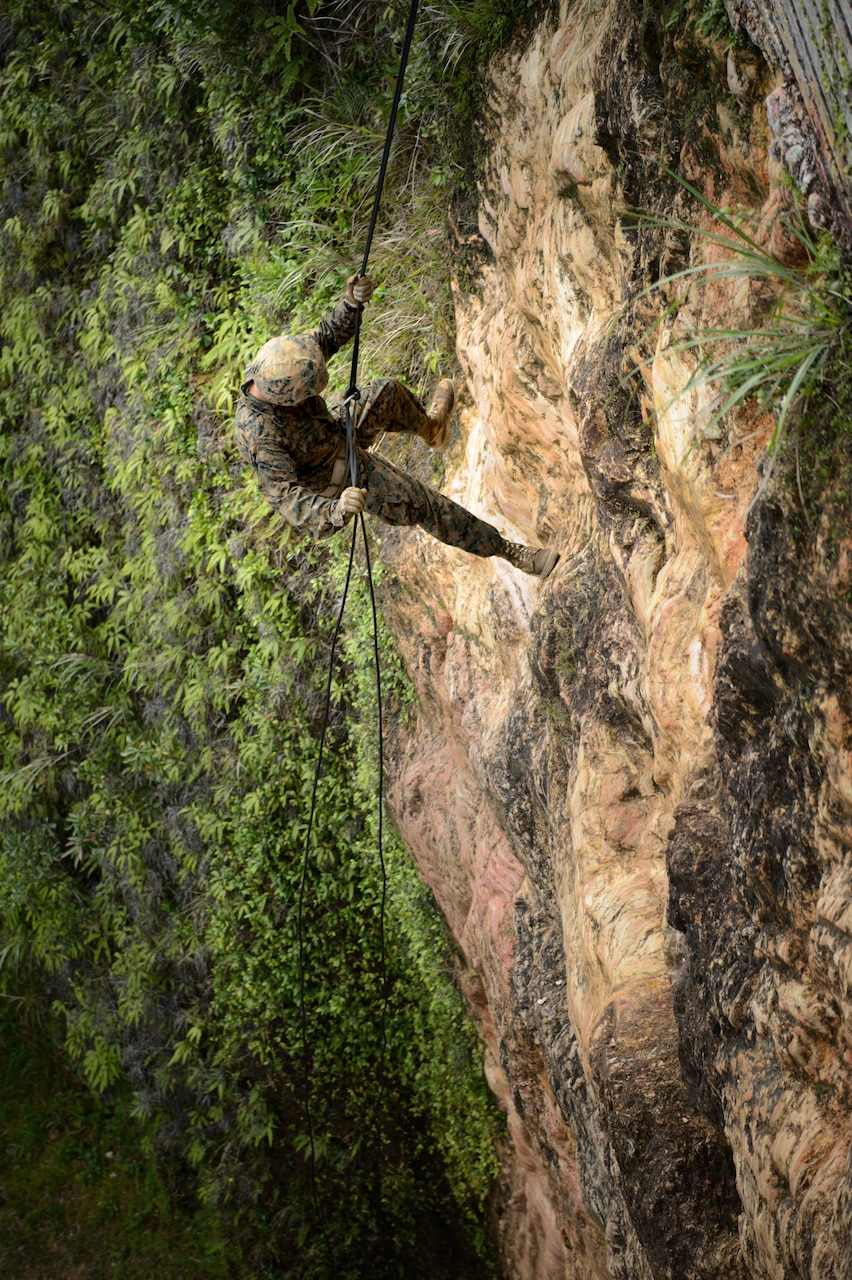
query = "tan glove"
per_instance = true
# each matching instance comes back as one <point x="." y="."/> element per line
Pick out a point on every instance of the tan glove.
<point x="352" y="501"/>
<point x="359" y="290"/>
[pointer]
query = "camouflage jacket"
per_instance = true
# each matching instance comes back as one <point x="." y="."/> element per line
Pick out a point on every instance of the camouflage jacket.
<point x="292" y="451"/>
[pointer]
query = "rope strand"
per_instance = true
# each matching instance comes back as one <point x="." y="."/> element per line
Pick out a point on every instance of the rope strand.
<point x="351" y="399"/>
<point x="306" y="1045"/>
<point x="400" y="80"/>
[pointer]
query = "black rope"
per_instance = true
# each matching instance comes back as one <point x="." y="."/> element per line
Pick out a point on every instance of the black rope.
<point x="306" y="1047"/>
<point x="351" y="399"/>
<point x="352" y="394"/>
<point x="381" y="792"/>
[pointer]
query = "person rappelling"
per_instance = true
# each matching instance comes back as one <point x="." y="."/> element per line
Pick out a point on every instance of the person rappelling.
<point x="296" y="445"/>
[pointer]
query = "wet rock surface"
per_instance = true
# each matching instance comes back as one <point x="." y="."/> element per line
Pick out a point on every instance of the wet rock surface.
<point x="629" y="787"/>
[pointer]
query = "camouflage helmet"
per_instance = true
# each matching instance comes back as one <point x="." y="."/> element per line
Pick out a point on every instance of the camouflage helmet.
<point x="289" y="370"/>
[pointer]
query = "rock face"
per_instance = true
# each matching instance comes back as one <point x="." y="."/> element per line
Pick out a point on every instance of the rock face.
<point x="629" y="787"/>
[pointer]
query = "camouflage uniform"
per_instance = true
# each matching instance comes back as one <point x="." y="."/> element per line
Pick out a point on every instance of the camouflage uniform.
<point x="293" y="452"/>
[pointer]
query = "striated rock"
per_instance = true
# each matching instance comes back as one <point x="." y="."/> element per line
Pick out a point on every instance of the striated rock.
<point x="629" y="787"/>
<point x="811" y="113"/>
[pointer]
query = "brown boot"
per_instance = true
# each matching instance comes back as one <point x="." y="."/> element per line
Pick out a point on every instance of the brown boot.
<point x="535" y="560"/>
<point x="437" y="426"/>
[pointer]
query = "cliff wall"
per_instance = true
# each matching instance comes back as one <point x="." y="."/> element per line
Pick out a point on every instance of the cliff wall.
<point x="629" y="787"/>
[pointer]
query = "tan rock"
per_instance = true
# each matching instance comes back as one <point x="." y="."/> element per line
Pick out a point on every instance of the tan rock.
<point x="627" y="735"/>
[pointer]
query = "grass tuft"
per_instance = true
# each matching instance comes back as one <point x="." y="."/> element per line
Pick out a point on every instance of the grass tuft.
<point x="796" y="343"/>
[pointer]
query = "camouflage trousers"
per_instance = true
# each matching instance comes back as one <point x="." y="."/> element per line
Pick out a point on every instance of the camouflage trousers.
<point x="396" y="497"/>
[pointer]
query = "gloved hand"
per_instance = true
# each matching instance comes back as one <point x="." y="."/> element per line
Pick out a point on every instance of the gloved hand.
<point x="352" y="501"/>
<point x="359" y="290"/>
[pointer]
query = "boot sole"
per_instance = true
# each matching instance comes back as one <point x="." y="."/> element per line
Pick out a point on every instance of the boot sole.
<point x="549" y="564"/>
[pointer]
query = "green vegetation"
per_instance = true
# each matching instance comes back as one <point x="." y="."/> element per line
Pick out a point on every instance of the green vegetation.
<point x="793" y="357"/>
<point x="78" y="1193"/>
<point x="179" y="182"/>
<point x="708" y="18"/>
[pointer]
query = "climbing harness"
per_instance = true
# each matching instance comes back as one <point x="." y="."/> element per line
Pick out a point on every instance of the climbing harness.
<point x="351" y="401"/>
